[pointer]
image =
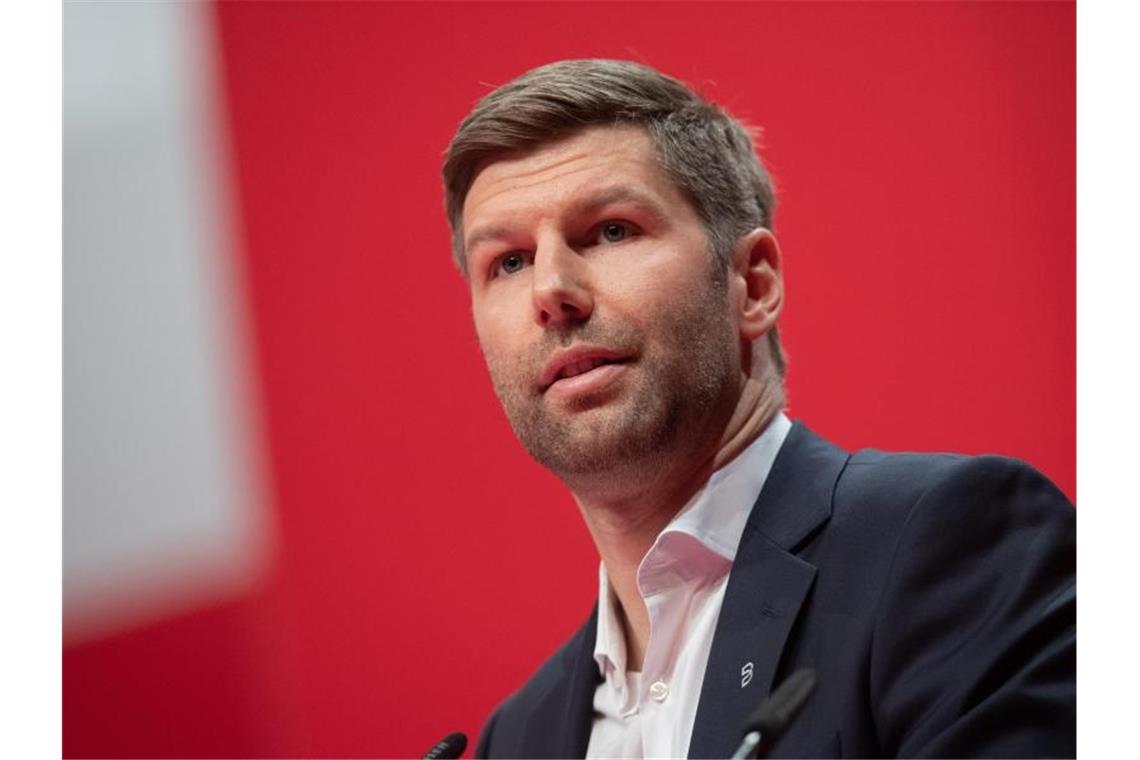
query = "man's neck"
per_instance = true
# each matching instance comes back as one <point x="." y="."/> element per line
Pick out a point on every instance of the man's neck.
<point x="626" y="517"/>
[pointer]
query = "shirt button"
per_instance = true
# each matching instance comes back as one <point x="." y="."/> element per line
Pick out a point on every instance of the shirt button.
<point x="659" y="691"/>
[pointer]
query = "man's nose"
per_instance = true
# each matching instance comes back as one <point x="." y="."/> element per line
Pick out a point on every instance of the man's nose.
<point x="562" y="296"/>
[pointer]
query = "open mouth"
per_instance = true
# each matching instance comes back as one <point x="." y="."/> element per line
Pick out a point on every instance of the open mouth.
<point x="585" y="375"/>
<point x="584" y="366"/>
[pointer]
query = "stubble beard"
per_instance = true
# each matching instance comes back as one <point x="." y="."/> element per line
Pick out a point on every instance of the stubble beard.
<point x="679" y="386"/>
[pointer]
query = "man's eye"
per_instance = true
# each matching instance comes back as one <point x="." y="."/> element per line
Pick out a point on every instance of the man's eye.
<point x="511" y="263"/>
<point x="614" y="232"/>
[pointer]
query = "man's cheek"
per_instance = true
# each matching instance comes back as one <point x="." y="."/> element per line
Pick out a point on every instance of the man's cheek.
<point x="508" y="371"/>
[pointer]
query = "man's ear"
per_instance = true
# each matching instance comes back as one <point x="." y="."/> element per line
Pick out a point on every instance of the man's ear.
<point x="760" y="282"/>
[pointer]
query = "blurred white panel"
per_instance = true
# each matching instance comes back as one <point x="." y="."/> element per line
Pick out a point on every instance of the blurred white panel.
<point x="163" y="504"/>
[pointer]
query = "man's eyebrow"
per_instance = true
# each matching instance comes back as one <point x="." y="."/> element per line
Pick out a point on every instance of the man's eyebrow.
<point x="621" y="194"/>
<point x="485" y="234"/>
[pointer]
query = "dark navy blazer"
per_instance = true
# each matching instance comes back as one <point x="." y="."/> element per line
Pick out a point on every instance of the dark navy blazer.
<point x="935" y="596"/>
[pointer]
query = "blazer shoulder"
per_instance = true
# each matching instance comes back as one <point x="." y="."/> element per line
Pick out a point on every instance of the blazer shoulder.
<point x="898" y="481"/>
<point x="550" y="675"/>
<point x="505" y="730"/>
<point x="880" y="499"/>
<point x="975" y="618"/>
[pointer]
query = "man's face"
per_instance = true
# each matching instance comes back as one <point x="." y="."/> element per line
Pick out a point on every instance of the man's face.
<point x="604" y="322"/>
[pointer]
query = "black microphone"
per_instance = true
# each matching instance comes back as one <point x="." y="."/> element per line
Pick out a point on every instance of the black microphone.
<point x="769" y="721"/>
<point x="448" y="748"/>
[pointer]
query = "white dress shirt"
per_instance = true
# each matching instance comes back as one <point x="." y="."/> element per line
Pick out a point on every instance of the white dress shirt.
<point x="682" y="580"/>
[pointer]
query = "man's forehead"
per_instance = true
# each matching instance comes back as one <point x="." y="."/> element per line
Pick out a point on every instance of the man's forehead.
<point x="596" y="139"/>
<point x="590" y="162"/>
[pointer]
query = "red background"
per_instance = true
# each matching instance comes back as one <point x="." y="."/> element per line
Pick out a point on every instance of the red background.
<point x="925" y="155"/>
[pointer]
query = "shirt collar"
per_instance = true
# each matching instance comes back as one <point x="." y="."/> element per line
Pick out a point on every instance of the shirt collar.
<point x="715" y="517"/>
<point x="609" y="645"/>
<point x="717" y="513"/>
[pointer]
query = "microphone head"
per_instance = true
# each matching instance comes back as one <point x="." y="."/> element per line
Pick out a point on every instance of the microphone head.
<point x="774" y="714"/>
<point x="448" y="748"/>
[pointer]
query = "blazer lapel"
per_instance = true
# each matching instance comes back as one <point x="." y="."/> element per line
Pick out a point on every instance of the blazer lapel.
<point x="561" y="722"/>
<point x="766" y="588"/>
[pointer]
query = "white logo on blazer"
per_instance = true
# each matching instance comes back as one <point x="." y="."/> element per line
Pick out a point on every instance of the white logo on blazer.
<point x="746" y="674"/>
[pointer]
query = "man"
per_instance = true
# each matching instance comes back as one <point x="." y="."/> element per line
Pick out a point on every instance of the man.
<point x="615" y="230"/>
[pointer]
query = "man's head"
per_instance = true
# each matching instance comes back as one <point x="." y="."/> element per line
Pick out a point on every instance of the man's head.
<point x="707" y="153"/>
<point x="612" y="226"/>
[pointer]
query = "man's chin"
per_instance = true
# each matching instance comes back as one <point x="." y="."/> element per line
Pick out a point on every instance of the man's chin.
<point x="600" y="438"/>
<point x="583" y="409"/>
<point x="568" y="460"/>
<point x="592" y="420"/>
